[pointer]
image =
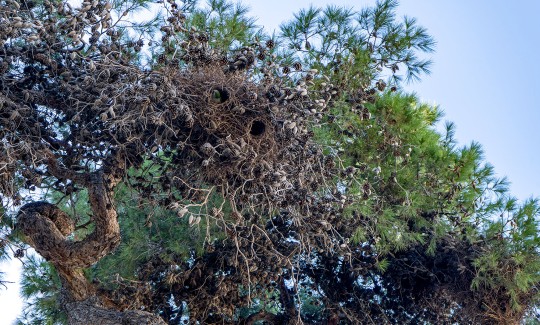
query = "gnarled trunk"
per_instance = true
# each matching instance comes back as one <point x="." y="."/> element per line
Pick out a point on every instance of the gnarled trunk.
<point x="47" y="228"/>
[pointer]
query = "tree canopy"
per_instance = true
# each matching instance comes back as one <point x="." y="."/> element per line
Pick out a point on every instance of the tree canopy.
<point x="192" y="168"/>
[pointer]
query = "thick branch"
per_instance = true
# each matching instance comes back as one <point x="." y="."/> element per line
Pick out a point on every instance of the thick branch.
<point x="90" y="313"/>
<point x="60" y="172"/>
<point x="47" y="228"/>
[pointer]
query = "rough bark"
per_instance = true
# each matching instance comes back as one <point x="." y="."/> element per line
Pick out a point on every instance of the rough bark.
<point x="47" y="230"/>
<point x="89" y="312"/>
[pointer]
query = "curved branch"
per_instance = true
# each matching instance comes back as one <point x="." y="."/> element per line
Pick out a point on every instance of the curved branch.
<point x="47" y="229"/>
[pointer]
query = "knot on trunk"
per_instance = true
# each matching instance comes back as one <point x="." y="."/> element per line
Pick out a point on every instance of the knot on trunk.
<point x="45" y="227"/>
<point x="31" y="212"/>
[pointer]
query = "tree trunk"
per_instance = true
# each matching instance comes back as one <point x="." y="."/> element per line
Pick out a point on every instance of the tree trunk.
<point x="46" y="228"/>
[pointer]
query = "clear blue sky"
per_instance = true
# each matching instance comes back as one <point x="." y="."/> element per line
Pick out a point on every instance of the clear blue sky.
<point x="485" y="77"/>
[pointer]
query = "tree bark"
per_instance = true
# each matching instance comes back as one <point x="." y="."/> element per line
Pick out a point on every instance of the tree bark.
<point x="89" y="312"/>
<point x="47" y="228"/>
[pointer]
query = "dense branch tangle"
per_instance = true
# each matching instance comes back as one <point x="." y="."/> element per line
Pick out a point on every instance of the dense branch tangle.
<point x="78" y="113"/>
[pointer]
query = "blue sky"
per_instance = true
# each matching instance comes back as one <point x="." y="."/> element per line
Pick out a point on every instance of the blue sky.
<point x="485" y="77"/>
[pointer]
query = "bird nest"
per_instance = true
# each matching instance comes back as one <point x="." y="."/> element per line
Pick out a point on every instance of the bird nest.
<point x="233" y="123"/>
<point x="235" y="137"/>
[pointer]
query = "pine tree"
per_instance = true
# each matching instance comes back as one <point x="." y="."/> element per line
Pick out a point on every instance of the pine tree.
<point x="255" y="179"/>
